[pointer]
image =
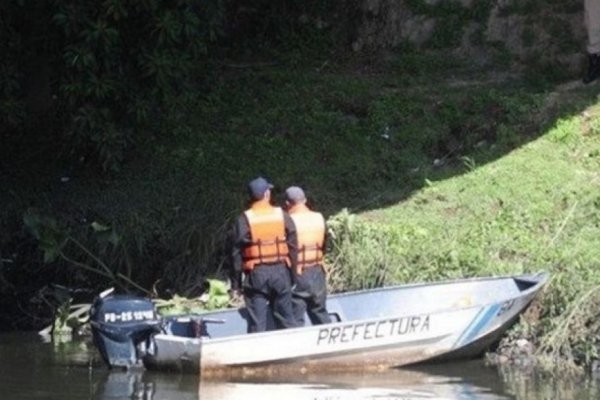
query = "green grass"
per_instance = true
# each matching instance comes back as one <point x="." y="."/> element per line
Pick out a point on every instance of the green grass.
<point x="535" y="208"/>
<point x="428" y="167"/>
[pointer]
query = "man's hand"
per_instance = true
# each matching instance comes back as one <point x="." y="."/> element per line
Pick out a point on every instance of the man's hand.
<point x="236" y="298"/>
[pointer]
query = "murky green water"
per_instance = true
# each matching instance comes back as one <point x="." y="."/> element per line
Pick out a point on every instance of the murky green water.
<point x="31" y="368"/>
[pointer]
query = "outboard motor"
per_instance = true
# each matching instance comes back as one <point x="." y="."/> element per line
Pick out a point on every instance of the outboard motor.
<point x="122" y="328"/>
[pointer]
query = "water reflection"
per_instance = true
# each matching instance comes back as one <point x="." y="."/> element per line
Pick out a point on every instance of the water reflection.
<point x="399" y="384"/>
<point x="31" y="368"/>
<point x="117" y="385"/>
<point x="529" y="385"/>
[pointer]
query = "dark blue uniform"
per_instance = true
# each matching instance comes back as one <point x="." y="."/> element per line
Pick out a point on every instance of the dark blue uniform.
<point x="268" y="287"/>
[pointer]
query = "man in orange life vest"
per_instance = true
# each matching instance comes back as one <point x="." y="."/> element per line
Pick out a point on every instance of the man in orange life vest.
<point x="310" y="284"/>
<point x="263" y="249"/>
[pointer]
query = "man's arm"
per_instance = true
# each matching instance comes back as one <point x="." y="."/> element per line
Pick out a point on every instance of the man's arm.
<point x="241" y="236"/>
<point x="292" y="240"/>
<point x="327" y="240"/>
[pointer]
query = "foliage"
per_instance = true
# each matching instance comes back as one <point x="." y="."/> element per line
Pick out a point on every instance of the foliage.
<point x="70" y="318"/>
<point x="452" y="18"/>
<point x="572" y="340"/>
<point x="263" y="25"/>
<point x="380" y="251"/>
<point x="53" y="240"/>
<point x="537" y="208"/>
<point x="216" y="297"/>
<point x="531" y="7"/>
<point x="51" y="236"/>
<point x="118" y="65"/>
<point x="167" y="221"/>
<point x="126" y="63"/>
<point x="445" y="170"/>
<point x="12" y="109"/>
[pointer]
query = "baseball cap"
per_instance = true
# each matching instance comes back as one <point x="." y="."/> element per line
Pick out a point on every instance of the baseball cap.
<point x="294" y="194"/>
<point x="257" y="187"/>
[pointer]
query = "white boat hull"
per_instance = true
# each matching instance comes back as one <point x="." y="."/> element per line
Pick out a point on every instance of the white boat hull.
<point x="449" y="318"/>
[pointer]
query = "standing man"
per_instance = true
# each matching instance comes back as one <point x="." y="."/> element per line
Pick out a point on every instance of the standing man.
<point x="592" y="24"/>
<point x="263" y="251"/>
<point x="310" y="291"/>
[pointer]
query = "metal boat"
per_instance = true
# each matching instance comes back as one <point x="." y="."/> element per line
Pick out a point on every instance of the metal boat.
<point x="372" y="329"/>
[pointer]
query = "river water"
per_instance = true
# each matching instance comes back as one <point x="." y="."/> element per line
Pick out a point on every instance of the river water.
<point x="34" y="368"/>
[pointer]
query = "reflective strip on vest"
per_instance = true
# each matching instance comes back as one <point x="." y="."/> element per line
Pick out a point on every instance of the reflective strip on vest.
<point x="310" y="229"/>
<point x="267" y="234"/>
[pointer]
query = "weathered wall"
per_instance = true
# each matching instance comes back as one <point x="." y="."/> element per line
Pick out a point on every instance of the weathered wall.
<point x="540" y="30"/>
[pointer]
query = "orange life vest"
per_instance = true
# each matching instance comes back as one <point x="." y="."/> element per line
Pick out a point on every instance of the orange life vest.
<point x="267" y="236"/>
<point x="310" y="230"/>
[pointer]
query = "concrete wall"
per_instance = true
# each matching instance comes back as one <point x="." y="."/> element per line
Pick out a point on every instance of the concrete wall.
<point x="540" y="30"/>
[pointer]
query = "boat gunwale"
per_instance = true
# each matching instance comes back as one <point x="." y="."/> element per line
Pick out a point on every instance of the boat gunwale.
<point x="543" y="278"/>
<point x="542" y="275"/>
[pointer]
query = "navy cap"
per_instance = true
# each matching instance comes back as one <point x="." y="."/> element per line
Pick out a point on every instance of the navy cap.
<point x="295" y="194"/>
<point x="258" y="187"/>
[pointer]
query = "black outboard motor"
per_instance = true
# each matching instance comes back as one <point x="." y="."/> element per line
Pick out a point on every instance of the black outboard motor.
<point x="122" y="328"/>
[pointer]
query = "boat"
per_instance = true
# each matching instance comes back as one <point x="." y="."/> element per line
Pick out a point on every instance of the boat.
<point x="371" y="330"/>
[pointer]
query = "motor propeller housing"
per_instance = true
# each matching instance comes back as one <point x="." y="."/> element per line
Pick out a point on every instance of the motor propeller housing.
<point x="122" y="328"/>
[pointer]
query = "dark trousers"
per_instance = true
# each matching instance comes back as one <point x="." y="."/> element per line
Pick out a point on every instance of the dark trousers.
<point x="309" y="296"/>
<point x="268" y="289"/>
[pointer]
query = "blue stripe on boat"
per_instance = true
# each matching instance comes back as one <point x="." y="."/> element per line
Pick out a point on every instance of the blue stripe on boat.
<point x="480" y="321"/>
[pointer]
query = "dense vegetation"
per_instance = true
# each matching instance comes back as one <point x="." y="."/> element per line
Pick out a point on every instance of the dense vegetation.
<point x="92" y="91"/>
<point x="125" y="157"/>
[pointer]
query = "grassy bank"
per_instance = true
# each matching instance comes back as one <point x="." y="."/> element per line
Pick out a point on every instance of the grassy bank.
<point x="427" y="165"/>
<point x="536" y="207"/>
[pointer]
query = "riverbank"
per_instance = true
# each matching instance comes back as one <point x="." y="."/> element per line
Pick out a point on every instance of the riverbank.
<point x="428" y="167"/>
<point x="534" y="208"/>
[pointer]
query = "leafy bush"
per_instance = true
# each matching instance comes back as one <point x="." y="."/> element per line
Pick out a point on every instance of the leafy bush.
<point x="216" y="297"/>
<point x="12" y="109"/>
<point x="125" y="65"/>
<point x="118" y="67"/>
